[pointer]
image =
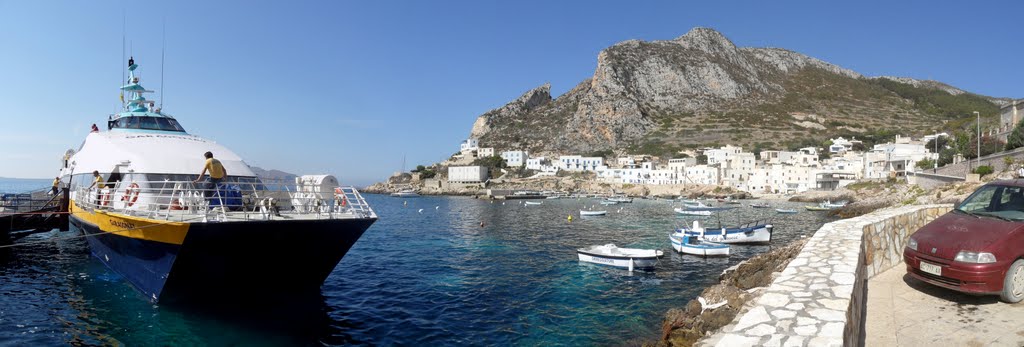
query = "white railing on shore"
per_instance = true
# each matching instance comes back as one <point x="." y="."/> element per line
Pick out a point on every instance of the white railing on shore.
<point x="231" y="201"/>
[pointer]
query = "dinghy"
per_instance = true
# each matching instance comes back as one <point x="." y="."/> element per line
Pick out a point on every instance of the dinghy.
<point x="760" y="205"/>
<point x="826" y="206"/>
<point x="753" y="232"/>
<point x="531" y="203"/>
<point x="693" y="244"/>
<point x="592" y="213"/>
<point x="785" y="211"/>
<point x="686" y="212"/>
<point x="620" y="257"/>
<point x="609" y="202"/>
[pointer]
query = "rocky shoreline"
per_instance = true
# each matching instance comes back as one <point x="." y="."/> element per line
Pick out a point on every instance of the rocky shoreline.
<point x="737" y="286"/>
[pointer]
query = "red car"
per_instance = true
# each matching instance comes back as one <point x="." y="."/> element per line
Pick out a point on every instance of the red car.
<point x="977" y="248"/>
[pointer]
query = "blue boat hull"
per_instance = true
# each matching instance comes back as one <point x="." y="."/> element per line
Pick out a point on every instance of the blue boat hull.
<point x="233" y="260"/>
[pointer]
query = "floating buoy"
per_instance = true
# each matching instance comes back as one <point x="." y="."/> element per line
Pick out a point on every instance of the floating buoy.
<point x="502" y="203"/>
<point x="405" y="203"/>
<point x="481" y="224"/>
<point x="437" y="207"/>
<point x="570" y="218"/>
<point x="420" y="211"/>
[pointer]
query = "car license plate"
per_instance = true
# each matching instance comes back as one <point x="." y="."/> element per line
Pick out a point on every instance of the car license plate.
<point x="931" y="268"/>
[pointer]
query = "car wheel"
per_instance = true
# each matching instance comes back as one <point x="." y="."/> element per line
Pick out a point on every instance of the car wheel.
<point x="1013" y="285"/>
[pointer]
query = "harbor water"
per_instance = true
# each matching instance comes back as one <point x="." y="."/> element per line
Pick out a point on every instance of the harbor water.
<point x="431" y="271"/>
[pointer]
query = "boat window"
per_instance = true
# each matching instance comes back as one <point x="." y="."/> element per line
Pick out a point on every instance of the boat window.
<point x="148" y="123"/>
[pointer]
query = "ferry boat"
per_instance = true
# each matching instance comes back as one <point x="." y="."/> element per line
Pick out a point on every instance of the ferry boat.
<point x="175" y="239"/>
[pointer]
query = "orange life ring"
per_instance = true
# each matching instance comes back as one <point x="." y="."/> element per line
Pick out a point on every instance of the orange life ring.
<point x="131" y="194"/>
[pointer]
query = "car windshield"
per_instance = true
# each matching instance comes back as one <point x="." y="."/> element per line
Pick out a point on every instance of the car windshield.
<point x="1004" y="202"/>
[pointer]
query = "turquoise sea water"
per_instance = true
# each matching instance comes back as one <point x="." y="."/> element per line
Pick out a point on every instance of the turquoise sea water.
<point x="434" y="277"/>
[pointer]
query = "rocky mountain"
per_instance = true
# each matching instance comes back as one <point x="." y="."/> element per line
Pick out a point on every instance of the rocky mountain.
<point x="701" y="89"/>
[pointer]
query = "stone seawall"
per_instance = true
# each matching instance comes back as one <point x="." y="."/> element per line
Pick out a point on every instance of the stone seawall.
<point x="819" y="299"/>
<point x="997" y="161"/>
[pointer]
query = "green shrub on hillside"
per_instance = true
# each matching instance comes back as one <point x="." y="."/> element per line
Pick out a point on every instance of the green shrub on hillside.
<point x="983" y="170"/>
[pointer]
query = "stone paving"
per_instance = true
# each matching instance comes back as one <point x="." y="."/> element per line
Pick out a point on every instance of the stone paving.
<point x="902" y="311"/>
<point x="817" y="300"/>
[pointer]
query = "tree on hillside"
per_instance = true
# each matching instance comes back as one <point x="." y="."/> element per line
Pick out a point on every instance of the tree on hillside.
<point x="702" y="159"/>
<point x="943" y="142"/>
<point x="946" y="156"/>
<point x="1016" y="138"/>
<point x="989" y="145"/>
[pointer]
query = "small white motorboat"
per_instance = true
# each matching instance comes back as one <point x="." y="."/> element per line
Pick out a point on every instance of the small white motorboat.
<point x="620" y="257"/>
<point x="406" y="193"/>
<point x="760" y="205"/>
<point x="686" y="212"/>
<point x="753" y="232"/>
<point x="621" y="199"/>
<point x="592" y="213"/>
<point x="702" y="207"/>
<point x="693" y="244"/>
<point x="609" y="202"/>
<point x="531" y="203"/>
<point x="785" y="211"/>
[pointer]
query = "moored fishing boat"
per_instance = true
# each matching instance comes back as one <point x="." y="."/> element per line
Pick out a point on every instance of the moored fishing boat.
<point x="785" y="211"/>
<point x="760" y="205"/>
<point x="752" y="232"/>
<point x="133" y="195"/>
<point x="593" y="213"/>
<point x="695" y="245"/>
<point x="532" y="203"/>
<point x="620" y="257"/>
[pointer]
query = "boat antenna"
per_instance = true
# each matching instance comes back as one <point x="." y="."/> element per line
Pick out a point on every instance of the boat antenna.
<point x="163" y="46"/>
<point x="123" y="30"/>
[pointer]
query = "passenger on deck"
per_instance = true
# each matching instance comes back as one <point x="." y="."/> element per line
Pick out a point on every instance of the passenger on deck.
<point x="95" y="129"/>
<point x="98" y="183"/>
<point x="56" y="185"/>
<point x="217" y="173"/>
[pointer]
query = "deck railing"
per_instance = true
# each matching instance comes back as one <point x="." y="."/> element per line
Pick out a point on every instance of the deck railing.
<point x="254" y="200"/>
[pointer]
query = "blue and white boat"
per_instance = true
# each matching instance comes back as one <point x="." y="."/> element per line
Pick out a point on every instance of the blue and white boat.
<point x="696" y="245"/>
<point x="753" y="232"/>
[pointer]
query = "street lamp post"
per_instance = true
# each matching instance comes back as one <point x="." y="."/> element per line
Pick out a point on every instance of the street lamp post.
<point x="936" y="152"/>
<point x="979" y="137"/>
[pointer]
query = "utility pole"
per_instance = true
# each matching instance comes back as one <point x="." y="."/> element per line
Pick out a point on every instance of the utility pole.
<point x="936" y="151"/>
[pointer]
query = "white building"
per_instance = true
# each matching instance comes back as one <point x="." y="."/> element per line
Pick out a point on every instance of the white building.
<point x="485" y="152"/>
<point x="580" y="163"/>
<point x="701" y="174"/>
<point x="840" y="145"/>
<point x="720" y="155"/>
<point x="469" y="145"/>
<point x="515" y="158"/>
<point x="678" y="165"/>
<point x="467" y="174"/>
<point x="541" y="164"/>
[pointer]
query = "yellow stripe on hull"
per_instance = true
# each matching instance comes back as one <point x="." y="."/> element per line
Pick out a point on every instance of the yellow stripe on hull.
<point x="133" y="226"/>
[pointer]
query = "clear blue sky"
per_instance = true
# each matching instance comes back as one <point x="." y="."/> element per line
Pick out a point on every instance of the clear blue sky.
<point x="349" y="88"/>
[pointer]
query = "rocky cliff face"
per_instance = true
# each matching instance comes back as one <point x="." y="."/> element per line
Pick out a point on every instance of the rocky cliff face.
<point x="696" y="89"/>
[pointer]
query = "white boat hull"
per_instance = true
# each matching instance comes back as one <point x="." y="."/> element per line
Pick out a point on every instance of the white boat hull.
<point x="611" y="255"/>
<point x="593" y="213"/>
<point x="638" y="263"/>
<point x="702" y="248"/>
<point x="692" y="213"/>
